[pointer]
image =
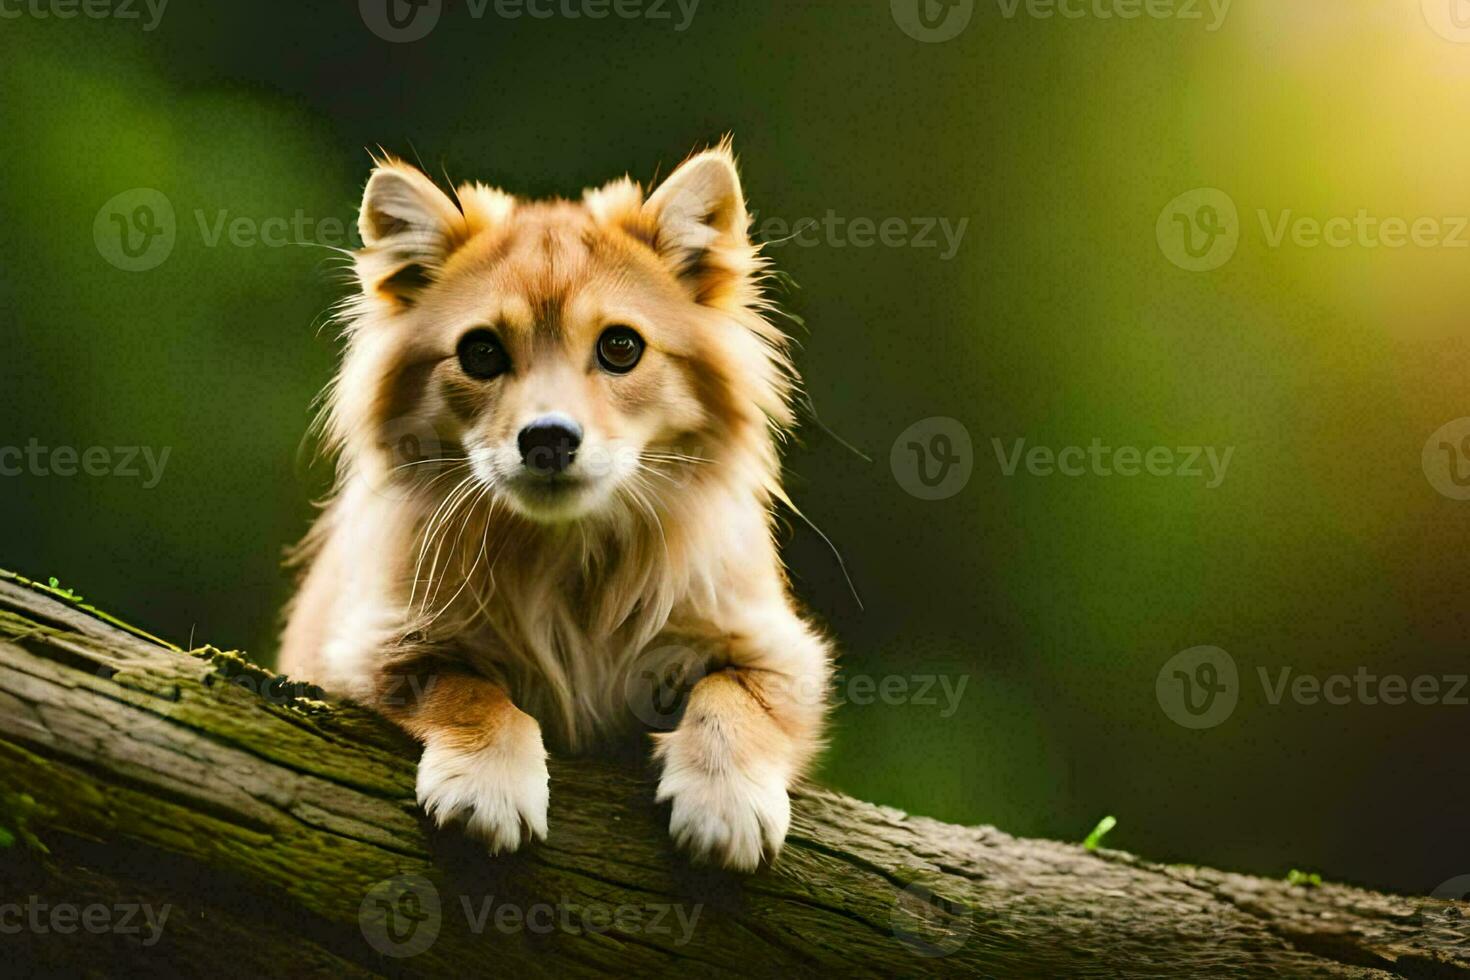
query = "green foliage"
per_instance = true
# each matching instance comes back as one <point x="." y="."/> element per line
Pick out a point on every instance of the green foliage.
<point x="56" y="587"/>
<point x="1104" y="825"/>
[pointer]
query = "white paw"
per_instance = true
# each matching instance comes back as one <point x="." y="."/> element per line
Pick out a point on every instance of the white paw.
<point x="498" y="793"/>
<point x="732" y="816"/>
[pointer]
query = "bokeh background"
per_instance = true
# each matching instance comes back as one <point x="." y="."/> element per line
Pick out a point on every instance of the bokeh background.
<point x="1063" y="315"/>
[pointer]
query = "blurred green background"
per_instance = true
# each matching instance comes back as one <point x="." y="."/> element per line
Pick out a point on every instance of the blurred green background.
<point x="1061" y="317"/>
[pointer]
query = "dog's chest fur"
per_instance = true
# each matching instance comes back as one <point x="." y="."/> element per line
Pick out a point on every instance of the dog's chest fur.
<point x="591" y="643"/>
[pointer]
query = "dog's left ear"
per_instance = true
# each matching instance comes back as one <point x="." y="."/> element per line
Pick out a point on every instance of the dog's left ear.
<point x="409" y="229"/>
<point x="699" y="224"/>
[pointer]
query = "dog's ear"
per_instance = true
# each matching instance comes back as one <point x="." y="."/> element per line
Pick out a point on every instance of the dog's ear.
<point x="409" y="229"/>
<point x="698" y="224"/>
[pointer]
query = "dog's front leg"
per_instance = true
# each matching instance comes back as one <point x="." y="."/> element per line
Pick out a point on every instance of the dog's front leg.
<point x="484" y="763"/>
<point x="747" y="733"/>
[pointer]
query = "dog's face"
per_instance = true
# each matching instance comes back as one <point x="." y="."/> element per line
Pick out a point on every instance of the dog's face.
<point x="565" y="362"/>
<point x="577" y="357"/>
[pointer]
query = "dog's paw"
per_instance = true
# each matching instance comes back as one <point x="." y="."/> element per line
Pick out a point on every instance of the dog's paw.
<point x="498" y="792"/>
<point x="728" y="815"/>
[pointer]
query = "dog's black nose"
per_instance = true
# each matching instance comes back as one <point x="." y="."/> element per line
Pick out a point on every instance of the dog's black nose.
<point x="549" y="444"/>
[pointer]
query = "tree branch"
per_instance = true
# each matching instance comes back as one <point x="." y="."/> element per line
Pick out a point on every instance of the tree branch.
<point x="281" y="834"/>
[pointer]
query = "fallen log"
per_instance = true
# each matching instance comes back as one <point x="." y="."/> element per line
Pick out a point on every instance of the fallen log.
<point x="167" y="812"/>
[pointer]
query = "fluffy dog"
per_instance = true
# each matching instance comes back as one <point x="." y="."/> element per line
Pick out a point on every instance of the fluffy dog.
<point x="595" y="393"/>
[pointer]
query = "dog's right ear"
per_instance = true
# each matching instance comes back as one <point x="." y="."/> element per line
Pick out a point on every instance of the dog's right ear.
<point x="409" y="229"/>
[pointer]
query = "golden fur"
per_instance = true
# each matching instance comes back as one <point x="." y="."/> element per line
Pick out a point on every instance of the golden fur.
<point x="504" y="601"/>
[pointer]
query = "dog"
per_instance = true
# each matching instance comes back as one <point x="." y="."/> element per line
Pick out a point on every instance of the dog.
<point x="595" y="394"/>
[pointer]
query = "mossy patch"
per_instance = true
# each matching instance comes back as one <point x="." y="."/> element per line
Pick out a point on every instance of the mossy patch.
<point x="16" y="810"/>
<point x="54" y="589"/>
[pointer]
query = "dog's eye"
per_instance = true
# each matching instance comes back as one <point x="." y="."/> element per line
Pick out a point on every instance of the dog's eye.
<point x="482" y="356"/>
<point x="619" y="349"/>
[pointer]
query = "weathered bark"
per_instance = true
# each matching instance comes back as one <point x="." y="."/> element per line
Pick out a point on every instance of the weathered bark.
<point x="132" y="772"/>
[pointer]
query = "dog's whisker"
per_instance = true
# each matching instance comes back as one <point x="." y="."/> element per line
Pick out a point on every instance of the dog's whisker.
<point x="633" y="491"/>
<point x="435" y="581"/>
<point x="430" y="524"/>
<point x="459" y="460"/>
<point x="438" y="523"/>
<point x="469" y="575"/>
<point x="663" y="457"/>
